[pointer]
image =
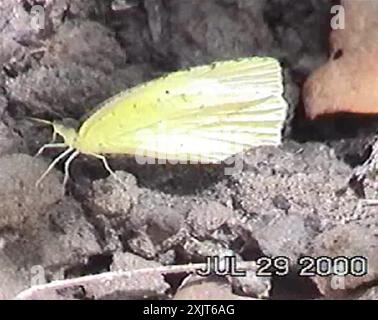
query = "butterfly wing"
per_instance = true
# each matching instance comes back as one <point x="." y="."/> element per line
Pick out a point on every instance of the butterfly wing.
<point x="204" y="114"/>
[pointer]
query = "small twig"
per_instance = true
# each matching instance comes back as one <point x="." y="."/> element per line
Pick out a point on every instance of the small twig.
<point x="111" y="281"/>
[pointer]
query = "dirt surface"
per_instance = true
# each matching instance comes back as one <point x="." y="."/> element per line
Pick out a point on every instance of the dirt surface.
<point x="295" y="200"/>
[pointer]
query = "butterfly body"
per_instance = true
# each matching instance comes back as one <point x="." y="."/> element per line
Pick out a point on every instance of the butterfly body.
<point x="204" y="114"/>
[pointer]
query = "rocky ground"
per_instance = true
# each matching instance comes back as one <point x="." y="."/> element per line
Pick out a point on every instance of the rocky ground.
<point x="296" y="200"/>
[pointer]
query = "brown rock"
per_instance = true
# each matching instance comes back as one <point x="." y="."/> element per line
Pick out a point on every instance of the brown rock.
<point x="197" y="288"/>
<point x="349" y="240"/>
<point x="349" y="81"/>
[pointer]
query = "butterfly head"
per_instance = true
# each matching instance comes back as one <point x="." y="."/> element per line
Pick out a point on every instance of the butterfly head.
<point x="65" y="128"/>
<point x="66" y="131"/>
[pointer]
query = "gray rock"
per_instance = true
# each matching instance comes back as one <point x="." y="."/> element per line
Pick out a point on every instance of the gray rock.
<point x="21" y="202"/>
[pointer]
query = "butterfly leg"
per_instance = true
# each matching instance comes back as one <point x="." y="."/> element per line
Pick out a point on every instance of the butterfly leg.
<point x="49" y="146"/>
<point x="53" y="164"/>
<point x="67" y="168"/>
<point x="107" y="167"/>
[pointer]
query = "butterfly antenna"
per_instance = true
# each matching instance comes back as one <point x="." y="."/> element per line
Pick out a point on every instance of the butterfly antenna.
<point x="52" y="143"/>
<point x="43" y="121"/>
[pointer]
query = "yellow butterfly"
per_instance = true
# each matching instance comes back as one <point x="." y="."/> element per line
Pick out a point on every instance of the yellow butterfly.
<point x="204" y="114"/>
